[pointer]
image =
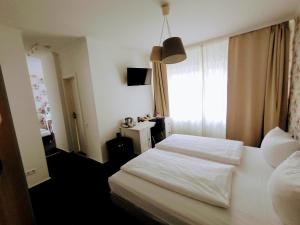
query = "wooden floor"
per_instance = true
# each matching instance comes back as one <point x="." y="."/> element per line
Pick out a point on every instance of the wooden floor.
<point x="78" y="193"/>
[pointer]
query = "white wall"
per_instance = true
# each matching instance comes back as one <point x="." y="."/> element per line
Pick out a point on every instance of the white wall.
<point x="73" y="59"/>
<point x="17" y="81"/>
<point x="114" y="99"/>
<point x="54" y="97"/>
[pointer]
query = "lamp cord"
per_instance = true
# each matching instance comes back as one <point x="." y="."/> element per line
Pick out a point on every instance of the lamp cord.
<point x="168" y="26"/>
<point x="162" y="29"/>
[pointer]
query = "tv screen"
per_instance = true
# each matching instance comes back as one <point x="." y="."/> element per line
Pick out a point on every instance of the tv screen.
<point x="138" y="76"/>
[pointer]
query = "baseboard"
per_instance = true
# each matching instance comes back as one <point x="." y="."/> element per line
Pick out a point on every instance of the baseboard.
<point x="65" y="150"/>
<point x="38" y="183"/>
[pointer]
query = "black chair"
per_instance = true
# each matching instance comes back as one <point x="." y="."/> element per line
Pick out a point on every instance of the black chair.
<point x="158" y="131"/>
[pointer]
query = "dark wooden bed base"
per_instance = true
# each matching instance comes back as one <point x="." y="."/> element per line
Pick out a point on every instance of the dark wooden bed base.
<point x="142" y="216"/>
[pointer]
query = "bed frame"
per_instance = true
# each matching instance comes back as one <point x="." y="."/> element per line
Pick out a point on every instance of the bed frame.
<point x="140" y="214"/>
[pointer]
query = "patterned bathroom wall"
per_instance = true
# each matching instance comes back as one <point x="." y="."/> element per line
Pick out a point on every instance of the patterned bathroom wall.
<point x="294" y="113"/>
<point x="41" y="99"/>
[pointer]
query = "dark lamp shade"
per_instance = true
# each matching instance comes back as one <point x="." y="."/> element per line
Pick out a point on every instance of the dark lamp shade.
<point x="173" y="51"/>
<point x="156" y="54"/>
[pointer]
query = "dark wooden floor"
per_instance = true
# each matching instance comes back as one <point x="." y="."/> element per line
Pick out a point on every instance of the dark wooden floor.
<point x="78" y="193"/>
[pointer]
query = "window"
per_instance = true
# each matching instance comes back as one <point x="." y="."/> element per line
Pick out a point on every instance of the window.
<point x="198" y="90"/>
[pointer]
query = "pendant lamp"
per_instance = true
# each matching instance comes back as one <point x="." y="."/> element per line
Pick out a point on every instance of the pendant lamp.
<point x="172" y="50"/>
<point x="156" y="54"/>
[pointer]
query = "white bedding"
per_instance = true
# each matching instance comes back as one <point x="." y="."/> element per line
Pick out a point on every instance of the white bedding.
<point x="215" y="149"/>
<point x="250" y="200"/>
<point x="196" y="178"/>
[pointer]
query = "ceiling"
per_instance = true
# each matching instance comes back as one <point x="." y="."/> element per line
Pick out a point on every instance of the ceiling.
<point x="137" y="23"/>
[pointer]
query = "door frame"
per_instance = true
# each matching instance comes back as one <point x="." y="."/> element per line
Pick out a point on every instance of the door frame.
<point x="83" y="143"/>
<point x="15" y="204"/>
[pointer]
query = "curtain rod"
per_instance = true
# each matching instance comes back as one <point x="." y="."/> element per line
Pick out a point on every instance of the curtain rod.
<point x="244" y="31"/>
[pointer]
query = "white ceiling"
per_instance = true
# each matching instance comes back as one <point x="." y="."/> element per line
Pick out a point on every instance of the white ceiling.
<point x="137" y="23"/>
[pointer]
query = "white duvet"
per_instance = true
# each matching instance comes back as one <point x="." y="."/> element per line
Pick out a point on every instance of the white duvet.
<point x="214" y="149"/>
<point x="196" y="178"/>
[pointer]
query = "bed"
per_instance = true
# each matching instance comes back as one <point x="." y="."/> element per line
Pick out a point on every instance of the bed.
<point x="215" y="149"/>
<point x="250" y="201"/>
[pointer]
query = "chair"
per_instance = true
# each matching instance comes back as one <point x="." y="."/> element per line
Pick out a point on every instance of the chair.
<point x="158" y="131"/>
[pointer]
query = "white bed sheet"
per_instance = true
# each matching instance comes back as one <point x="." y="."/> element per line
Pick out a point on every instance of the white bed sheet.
<point x="250" y="203"/>
<point x="215" y="149"/>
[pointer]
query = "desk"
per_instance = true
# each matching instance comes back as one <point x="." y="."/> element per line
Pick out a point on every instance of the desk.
<point x="141" y="136"/>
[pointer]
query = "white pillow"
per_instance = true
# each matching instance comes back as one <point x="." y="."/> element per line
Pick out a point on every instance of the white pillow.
<point x="277" y="145"/>
<point x="284" y="188"/>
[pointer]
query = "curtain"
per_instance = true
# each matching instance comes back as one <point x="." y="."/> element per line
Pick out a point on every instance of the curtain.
<point x="185" y="91"/>
<point x="197" y="90"/>
<point x="160" y="81"/>
<point x="215" y="62"/>
<point x="276" y="98"/>
<point x="257" y="83"/>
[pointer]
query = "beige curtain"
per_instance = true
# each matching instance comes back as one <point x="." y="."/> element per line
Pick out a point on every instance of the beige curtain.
<point x="276" y="98"/>
<point x="257" y="83"/>
<point x="160" y="81"/>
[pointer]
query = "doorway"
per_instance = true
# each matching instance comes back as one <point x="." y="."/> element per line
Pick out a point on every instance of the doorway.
<point x="42" y="105"/>
<point x="74" y="113"/>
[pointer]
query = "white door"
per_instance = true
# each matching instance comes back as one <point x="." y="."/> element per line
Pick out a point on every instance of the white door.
<point x="74" y="114"/>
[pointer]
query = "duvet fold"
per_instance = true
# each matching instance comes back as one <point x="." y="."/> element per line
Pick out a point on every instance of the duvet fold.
<point x="214" y="149"/>
<point x="199" y="179"/>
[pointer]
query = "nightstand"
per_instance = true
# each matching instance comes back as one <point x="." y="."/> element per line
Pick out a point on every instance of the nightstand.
<point x="120" y="149"/>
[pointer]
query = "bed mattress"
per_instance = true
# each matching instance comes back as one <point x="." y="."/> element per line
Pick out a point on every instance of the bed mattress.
<point x="250" y="202"/>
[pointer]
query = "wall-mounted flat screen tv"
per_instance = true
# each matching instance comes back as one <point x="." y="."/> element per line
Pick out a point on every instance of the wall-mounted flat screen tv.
<point x="138" y="76"/>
